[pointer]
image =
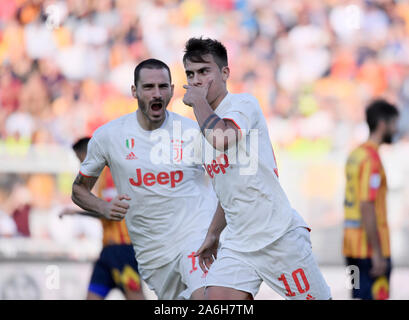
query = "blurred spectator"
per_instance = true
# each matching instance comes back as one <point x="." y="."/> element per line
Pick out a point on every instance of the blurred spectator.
<point x="278" y="48"/>
<point x="39" y="40"/>
<point x="8" y="227"/>
<point x="20" y="124"/>
<point x="21" y="200"/>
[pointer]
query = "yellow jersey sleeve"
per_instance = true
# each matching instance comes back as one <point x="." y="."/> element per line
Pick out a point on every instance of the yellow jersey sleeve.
<point x="369" y="179"/>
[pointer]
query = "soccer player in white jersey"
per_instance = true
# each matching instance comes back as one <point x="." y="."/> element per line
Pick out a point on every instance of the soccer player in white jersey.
<point x="265" y="238"/>
<point x="167" y="205"/>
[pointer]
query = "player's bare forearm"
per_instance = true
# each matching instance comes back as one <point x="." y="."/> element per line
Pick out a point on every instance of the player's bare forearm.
<point x="91" y="214"/>
<point x="370" y="226"/>
<point x="218" y="132"/>
<point x="83" y="197"/>
<point x="379" y="263"/>
<point x="70" y="212"/>
<point x="208" y="250"/>
<point x="218" y="222"/>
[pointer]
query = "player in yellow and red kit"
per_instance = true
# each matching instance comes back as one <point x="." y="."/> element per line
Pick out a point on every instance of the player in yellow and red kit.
<point x="366" y="233"/>
<point x="116" y="266"/>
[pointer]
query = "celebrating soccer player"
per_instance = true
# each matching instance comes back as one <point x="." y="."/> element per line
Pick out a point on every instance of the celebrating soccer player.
<point x="265" y="238"/>
<point x="165" y="201"/>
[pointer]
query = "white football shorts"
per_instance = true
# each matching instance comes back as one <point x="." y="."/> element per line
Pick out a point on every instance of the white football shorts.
<point x="286" y="265"/>
<point x="179" y="278"/>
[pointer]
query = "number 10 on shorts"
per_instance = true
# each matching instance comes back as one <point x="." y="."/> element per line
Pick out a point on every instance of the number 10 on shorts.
<point x="297" y="273"/>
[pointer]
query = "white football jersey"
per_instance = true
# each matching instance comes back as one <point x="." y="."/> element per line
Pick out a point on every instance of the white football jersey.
<point x="245" y="178"/>
<point x="172" y="202"/>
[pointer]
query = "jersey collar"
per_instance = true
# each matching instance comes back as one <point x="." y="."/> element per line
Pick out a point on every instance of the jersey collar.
<point x="142" y="130"/>
<point x="223" y="103"/>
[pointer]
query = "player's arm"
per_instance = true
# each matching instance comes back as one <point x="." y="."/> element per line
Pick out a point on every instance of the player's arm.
<point x="218" y="222"/>
<point x="89" y="213"/>
<point x="220" y="133"/>
<point x="85" y="199"/>
<point x="369" y="186"/>
<point x="70" y="212"/>
<point x="370" y="227"/>
<point x="208" y="250"/>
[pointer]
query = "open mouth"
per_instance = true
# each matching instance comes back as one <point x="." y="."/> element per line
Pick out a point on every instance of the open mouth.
<point x="157" y="106"/>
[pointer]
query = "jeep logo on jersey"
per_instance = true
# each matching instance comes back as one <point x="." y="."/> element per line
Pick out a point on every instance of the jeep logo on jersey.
<point x="149" y="179"/>
<point x="217" y="166"/>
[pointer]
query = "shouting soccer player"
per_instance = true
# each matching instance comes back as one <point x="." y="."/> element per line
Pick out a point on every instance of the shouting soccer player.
<point x="165" y="201"/>
<point x="366" y="232"/>
<point x="265" y="238"/>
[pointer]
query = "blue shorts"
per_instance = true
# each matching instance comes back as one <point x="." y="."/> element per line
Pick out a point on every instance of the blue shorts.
<point x="115" y="268"/>
<point x="370" y="288"/>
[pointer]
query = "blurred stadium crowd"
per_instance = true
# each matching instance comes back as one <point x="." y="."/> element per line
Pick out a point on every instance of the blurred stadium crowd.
<point x="66" y="67"/>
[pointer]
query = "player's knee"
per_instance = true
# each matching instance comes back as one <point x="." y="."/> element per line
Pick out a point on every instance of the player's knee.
<point x="215" y="293"/>
<point x="198" y="294"/>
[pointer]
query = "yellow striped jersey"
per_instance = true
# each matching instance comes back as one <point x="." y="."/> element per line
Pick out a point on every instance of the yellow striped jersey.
<point x="365" y="181"/>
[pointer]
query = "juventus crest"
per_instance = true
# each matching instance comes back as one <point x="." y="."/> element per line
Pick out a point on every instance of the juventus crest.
<point x="177" y="150"/>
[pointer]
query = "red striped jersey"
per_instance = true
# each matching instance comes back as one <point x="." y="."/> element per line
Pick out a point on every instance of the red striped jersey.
<point x="365" y="181"/>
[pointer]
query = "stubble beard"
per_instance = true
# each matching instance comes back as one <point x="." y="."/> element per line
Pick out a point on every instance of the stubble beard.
<point x="144" y="109"/>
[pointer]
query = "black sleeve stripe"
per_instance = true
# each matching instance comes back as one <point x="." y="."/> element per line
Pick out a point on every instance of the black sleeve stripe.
<point x="205" y="123"/>
<point x="213" y="124"/>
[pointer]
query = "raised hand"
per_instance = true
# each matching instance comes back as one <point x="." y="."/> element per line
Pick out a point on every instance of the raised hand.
<point x="195" y="94"/>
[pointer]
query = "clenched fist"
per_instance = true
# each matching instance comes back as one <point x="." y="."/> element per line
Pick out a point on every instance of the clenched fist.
<point x="117" y="208"/>
<point x="195" y="94"/>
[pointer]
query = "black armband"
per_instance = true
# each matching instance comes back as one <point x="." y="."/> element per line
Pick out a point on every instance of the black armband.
<point x="206" y="122"/>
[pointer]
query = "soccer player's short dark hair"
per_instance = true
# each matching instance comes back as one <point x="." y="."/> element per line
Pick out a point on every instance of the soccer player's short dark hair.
<point x="81" y="145"/>
<point x="196" y="48"/>
<point x="379" y="110"/>
<point x="149" y="64"/>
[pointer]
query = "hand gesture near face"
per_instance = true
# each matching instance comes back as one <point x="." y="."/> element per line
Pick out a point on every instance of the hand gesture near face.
<point x="195" y="94"/>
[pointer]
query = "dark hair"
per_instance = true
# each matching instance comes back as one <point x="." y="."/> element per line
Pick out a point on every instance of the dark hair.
<point x="379" y="110"/>
<point x="81" y="145"/>
<point x="196" y="48"/>
<point x="150" y="64"/>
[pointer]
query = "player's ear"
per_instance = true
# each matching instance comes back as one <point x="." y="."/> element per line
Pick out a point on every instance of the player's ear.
<point x="225" y="73"/>
<point x="172" y="89"/>
<point x="133" y="90"/>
